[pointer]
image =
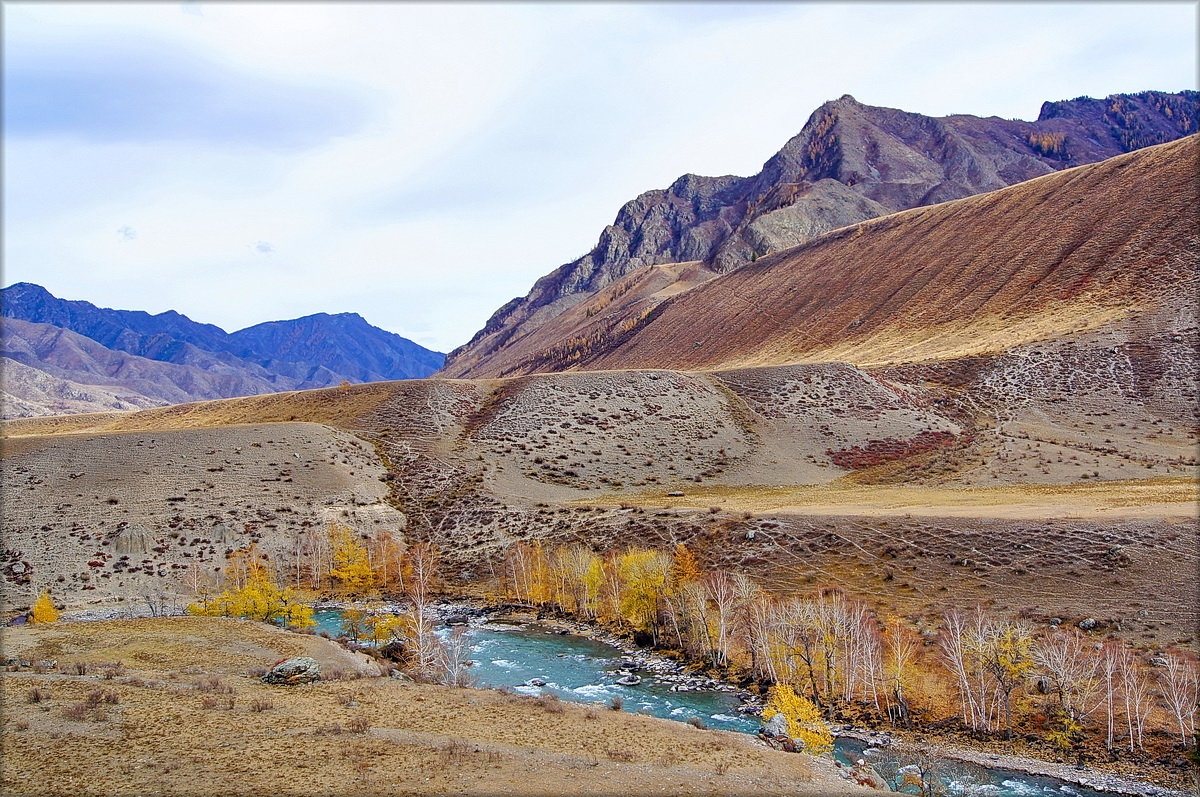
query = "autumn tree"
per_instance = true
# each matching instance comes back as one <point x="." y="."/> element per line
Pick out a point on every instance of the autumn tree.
<point x="899" y="670"/>
<point x="1005" y="654"/>
<point x="259" y="599"/>
<point x="643" y="576"/>
<point x="804" y="722"/>
<point x="420" y="635"/>
<point x="351" y="566"/>
<point x="44" y="610"/>
<point x="685" y="568"/>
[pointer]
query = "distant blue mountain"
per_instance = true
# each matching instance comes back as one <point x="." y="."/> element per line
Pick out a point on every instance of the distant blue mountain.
<point x="314" y="351"/>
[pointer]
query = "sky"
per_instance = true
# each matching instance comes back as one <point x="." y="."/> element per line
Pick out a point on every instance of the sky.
<point x="422" y="164"/>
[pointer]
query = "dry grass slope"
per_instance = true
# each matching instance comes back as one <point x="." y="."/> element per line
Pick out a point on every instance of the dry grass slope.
<point x="1069" y="252"/>
<point x="186" y="719"/>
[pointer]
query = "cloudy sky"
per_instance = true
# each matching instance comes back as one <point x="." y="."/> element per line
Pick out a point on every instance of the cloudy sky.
<point x="422" y="164"/>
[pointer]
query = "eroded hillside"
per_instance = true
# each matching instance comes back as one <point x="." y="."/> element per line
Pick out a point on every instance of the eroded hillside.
<point x="850" y="162"/>
<point x="1110" y="246"/>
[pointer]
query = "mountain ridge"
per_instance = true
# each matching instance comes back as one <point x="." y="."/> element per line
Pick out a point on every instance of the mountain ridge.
<point x="1042" y="259"/>
<point x="174" y="358"/>
<point x="850" y="162"/>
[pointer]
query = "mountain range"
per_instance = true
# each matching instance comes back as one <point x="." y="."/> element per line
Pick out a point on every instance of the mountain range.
<point x="72" y="356"/>
<point x="850" y="162"/>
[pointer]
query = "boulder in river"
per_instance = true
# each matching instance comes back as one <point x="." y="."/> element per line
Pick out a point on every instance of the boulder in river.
<point x="457" y="619"/>
<point x="629" y="680"/>
<point x="297" y="670"/>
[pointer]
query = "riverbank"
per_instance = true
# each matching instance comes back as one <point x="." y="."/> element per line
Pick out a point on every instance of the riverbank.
<point x="100" y="706"/>
<point x="1129" y="778"/>
<point x="1117" y="777"/>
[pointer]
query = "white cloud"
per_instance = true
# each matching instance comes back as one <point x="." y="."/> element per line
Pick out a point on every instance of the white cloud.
<point x="495" y="141"/>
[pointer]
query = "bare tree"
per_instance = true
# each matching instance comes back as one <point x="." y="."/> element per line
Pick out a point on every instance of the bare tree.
<point x="1179" y="682"/>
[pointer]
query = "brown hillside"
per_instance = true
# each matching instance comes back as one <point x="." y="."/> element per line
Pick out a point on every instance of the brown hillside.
<point x="1057" y="255"/>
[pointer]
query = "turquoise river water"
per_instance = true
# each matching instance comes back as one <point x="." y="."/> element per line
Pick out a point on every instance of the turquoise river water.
<point x="584" y="670"/>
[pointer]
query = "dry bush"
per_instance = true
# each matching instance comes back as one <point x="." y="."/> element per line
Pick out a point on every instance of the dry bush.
<point x="551" y="703"/>
<point x="617" y="703"/>
<point x="36" y="695"/>
<point x="591" y="714"/>
<point x="113" y="669"/>
<point x="256" y="672"/>
<point x="696" y="722"/>
<point x="86" y="711"/>
<point x="344" y="698"/>
<point x="212" y="684"/>
<point x="331" y="729"/>
<point x="41" y="667"/>
<point x="21" y="726"/>
<point x="453" y="751"/>
<point x="335" y="674"/>
<point x="258" y="706"/>
<point x="98" y="696"/>
<point x="209" y="702"/>
<point x="721" y="767"/>
<point x="79" y="667"/>
<point x="624" y="756"/>
<point x="358" y="725"/>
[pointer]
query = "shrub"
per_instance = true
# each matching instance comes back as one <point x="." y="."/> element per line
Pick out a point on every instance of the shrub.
<point x="258" y="706"/>
<point x="696" y="722"/>
<point x="98" y="696"/>
<point x="617" y="703"/>
<point x="86" y="711"/>
<point x="37" y="695"/>
<point x="213" y="684"/>
<point x="358" y="725"/>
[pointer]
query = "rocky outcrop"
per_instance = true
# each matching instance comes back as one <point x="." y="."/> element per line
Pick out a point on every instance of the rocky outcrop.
<point x="850" y="162"/>
<point x="1069" y="251"/>
<point x="298" y="670"/>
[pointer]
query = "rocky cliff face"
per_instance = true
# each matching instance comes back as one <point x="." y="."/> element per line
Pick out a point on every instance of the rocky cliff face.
<point x="849" y="163"/>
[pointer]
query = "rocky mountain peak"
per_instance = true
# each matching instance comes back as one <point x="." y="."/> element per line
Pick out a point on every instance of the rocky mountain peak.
<point x="850" y="162"/>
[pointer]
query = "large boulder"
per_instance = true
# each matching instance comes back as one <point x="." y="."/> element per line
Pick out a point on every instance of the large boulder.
<point x="298" y="670"/>
<point x="776" y="726"/>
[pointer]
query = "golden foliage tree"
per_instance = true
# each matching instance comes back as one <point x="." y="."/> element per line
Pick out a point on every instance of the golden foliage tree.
<point x="351" y="565"/>
<point x="804" y="722"/>
<point x="43" y="610"/>
<point x="685" y="568"/>
<point x="644" y="578"/>
<point x="260" y="599"/>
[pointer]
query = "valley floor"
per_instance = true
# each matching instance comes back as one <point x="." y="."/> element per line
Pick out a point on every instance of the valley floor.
<point x="1165" y="498"/>
<point x="184" y="717"/>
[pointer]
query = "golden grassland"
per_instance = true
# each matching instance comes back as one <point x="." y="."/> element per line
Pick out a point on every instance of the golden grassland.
<point x="180" y="715"/>
<point x="1162" y="497"/>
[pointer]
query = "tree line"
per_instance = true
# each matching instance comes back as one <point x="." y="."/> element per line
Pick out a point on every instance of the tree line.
<point x="839" y="652"/>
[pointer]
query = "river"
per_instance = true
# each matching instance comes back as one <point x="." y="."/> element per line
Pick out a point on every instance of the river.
<point x="585" y="670"/>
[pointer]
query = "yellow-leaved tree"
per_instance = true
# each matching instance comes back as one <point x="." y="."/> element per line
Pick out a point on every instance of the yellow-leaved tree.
<point x="685" y="568"/>
<point x="351" y="565"/>
<point x="643" y="581"/>
<point x="804" y="722"/>
<point x="43" y="610"/>
<point x="260" y="599"/>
